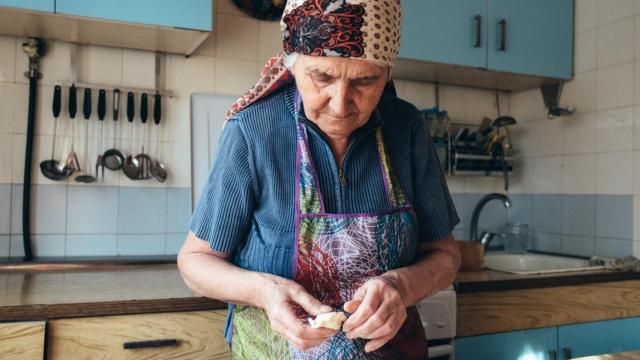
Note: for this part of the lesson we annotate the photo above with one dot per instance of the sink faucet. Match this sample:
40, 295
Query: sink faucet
506, 201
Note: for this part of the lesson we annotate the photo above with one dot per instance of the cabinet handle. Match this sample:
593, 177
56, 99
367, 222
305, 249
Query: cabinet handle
503, 35
553, 355
149, 343
567, 353
477, 20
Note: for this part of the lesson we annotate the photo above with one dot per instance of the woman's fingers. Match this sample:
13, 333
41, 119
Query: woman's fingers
369, 305
310, 304
376, 344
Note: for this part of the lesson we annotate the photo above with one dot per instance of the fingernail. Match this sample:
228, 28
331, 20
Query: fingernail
326, 309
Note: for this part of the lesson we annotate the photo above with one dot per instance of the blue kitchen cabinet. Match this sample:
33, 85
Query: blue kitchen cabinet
535, 344
537, 40
39, 5
445, 31
600, 337
538, 35
187, 14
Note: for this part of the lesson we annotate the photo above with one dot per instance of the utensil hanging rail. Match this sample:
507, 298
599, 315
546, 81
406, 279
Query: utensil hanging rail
112, 87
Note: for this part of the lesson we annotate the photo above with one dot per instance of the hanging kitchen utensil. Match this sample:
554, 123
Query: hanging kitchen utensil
52, 169
102, 108
131, 167
72, 164
144, 161
113, 158
158, 169
86, 111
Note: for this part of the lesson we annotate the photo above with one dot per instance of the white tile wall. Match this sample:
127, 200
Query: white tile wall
615, 130
586, 51
614, 173
615, 86
615, 42
608, 12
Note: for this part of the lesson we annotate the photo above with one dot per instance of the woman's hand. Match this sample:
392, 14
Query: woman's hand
280, 299
377, 311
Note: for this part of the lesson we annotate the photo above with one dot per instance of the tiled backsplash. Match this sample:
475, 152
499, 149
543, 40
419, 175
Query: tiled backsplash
583, 225
72, 221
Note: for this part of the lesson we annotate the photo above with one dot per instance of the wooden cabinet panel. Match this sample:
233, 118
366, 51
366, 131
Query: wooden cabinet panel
22, 340
199, 335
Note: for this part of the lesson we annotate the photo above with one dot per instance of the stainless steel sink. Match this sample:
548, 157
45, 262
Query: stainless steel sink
531, 263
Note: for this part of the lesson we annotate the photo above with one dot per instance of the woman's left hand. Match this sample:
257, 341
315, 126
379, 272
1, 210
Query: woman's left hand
377, 312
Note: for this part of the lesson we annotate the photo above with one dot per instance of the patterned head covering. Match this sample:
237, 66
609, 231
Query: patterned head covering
360, 29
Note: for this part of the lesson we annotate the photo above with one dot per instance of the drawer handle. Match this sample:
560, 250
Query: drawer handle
503, 35
149, 343
478, 27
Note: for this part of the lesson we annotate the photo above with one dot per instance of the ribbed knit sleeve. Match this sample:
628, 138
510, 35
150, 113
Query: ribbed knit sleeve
434, 207
224, 211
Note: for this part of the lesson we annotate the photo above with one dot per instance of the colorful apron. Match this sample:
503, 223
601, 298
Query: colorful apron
335, 255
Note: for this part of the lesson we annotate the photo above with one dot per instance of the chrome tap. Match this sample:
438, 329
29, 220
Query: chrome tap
506, 201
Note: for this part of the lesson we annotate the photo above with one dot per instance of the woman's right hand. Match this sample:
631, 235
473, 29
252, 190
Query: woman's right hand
280, 299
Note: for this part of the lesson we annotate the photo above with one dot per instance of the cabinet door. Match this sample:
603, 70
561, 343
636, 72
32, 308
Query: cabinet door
600, 337
22, 340
198, 335
528, 344
40, 5
444, 31
538, 37
188, 14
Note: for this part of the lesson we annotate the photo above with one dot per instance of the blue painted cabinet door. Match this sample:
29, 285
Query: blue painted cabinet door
188, 14
39, 5
538, 37
517, 345
600, 337
444, 31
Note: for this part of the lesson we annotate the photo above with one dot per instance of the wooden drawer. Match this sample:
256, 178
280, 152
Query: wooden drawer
22, 340
199, 335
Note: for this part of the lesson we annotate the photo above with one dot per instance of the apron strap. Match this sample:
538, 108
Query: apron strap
393, 188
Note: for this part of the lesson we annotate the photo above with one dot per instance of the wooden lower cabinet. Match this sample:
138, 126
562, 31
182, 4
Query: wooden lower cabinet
22, 340
198, 335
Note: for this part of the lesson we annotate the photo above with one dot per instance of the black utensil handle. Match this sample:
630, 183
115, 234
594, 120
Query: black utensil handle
144, 108
73, 102
149, 343
116, 104
102, 104
86, 104
157, 108
503, 35
478, 28
57, 100
131, 107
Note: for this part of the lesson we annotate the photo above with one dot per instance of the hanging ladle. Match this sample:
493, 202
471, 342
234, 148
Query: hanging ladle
86, 110
131, 167
113, 158
144, 161
52, 169
72, 164
102, 107
158, 169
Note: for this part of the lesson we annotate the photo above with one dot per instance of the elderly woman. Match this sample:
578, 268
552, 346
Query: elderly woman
325, 196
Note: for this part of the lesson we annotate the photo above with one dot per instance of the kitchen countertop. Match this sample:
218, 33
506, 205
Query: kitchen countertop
632, 355
97, 291
489, 280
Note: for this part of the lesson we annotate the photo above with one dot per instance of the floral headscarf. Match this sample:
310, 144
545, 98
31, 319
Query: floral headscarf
360, 29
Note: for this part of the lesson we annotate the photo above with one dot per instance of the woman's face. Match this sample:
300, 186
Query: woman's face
339, 94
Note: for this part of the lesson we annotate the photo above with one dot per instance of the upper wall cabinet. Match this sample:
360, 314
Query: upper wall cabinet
186, 14
155, 25
39, 5
497, 44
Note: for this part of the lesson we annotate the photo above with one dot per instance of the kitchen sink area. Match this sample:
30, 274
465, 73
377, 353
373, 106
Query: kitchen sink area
535, 263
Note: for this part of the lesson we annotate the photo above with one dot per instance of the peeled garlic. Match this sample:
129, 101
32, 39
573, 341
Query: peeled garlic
331, 320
